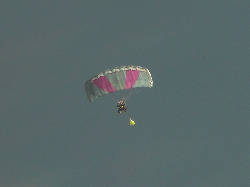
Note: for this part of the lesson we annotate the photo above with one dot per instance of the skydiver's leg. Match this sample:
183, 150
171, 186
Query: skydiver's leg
119, 111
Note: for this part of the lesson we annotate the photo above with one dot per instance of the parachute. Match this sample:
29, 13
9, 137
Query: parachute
117, 79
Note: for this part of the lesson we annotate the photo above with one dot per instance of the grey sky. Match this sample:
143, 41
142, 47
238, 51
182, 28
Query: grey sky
192, 127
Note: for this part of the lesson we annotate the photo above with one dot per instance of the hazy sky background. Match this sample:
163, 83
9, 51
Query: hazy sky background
192, 127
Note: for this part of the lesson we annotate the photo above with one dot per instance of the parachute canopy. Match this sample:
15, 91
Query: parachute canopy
122, 78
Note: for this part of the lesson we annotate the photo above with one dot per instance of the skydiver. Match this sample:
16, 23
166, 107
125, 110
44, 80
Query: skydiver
121, 106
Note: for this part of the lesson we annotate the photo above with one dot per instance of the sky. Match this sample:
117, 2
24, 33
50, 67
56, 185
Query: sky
192, 126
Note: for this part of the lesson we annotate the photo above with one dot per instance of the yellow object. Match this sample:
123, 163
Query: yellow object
131, 122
